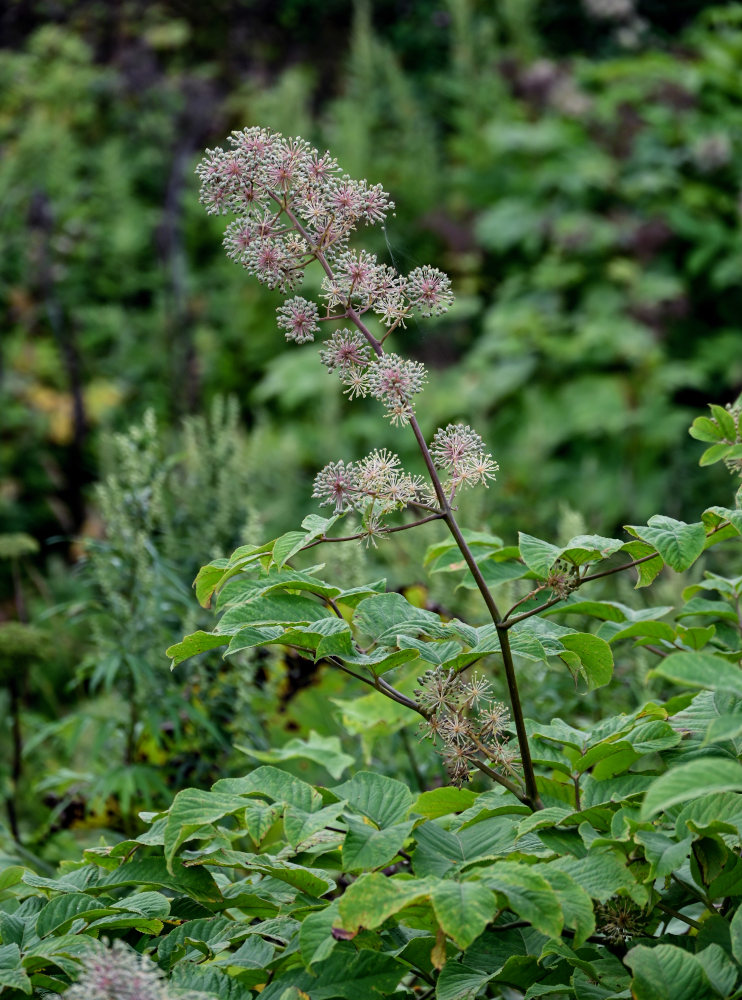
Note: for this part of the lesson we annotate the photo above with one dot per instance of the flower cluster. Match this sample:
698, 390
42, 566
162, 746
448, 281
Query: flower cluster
120, 973
294, 205
373, 487
459, 451
465, 720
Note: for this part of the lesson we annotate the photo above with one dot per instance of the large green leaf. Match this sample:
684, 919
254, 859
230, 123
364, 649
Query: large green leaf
441, 801
538, 555
601, 873
192, 645
272, 609
701, 670
528, 894
192, 809
12, 973
384, 800
736, 934
372, 899
678, 543
463, 909
195, 882
366, 848
365, 975
665, 972
272, 783
325, 751
596, 657
690, 781
458, 981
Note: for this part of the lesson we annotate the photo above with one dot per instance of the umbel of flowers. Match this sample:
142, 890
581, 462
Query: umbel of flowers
293, 205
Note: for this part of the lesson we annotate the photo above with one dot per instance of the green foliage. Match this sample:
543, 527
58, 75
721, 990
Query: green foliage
591, 852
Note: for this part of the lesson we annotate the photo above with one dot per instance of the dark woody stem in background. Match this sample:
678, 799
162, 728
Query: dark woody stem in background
531, 797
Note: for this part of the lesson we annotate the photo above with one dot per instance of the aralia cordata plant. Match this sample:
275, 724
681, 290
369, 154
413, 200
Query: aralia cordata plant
294, 206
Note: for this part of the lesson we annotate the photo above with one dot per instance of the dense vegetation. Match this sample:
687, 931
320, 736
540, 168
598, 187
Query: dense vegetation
282, 819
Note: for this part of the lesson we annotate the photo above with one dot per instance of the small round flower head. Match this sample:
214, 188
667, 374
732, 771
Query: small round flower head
237, 238
298, 317
336, 484
457, 760
494, 719
345, 349
455, 728
271, 264
119, 974
459, 450
395, 380
375, 469
429, 290
476, 690
440, 690
355, 380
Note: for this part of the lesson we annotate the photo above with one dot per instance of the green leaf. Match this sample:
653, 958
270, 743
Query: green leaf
460, 982
60, 912
690, 781
272, 609
274, 784
704, 429
192, 809
12, 973
665, 972
538, 555
463, 909
315, 937
576, 904
325, 751
367, 975
719, 968
590, 548
645, 571
736, 934
725, 420
384, 800
716, 453
300, 825
726, 727
595, 656
528, 894
372, 899
678, 543
442, 801
208, 579
10, 876
194, 882
700, 670
601, 873
384, 616
365, 847
192, 645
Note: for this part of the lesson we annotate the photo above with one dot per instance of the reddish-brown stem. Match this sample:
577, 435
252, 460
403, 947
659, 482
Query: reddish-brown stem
381, 531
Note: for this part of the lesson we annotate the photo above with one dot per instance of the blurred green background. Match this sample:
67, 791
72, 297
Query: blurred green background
575, 165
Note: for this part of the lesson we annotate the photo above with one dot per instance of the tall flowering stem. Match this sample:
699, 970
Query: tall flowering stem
294, 207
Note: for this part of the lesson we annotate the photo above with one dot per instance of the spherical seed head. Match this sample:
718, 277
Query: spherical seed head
459, 450
394, 381
345, 349
429, 290
336, 484
298, 317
